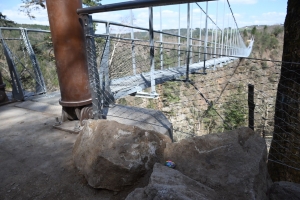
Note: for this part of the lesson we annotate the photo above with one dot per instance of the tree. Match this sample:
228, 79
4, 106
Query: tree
284, 159
235, 111
30, 5
253, 31
245, 33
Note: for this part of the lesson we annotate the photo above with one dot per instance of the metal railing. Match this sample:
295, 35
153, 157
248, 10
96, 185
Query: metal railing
127, 64
26, 72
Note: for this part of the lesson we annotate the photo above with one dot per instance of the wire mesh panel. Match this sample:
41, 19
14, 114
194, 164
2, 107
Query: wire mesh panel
43, 49
21, 59
30, 55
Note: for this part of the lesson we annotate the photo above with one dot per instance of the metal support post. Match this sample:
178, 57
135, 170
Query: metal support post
200, 36
132, 45
216, 37
188, 43
40, 86
104, 72
17, 87
96, 92
251, 106
231, 41
179, 53
191, 35
227, 39
151, 36
161, 44
205, 41
222, 42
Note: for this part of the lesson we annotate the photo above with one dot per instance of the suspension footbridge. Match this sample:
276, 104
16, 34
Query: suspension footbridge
123, 63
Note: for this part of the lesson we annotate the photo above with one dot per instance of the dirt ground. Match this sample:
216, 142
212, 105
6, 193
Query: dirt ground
36, 159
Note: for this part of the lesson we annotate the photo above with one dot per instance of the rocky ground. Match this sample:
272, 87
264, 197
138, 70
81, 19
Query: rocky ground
37, 163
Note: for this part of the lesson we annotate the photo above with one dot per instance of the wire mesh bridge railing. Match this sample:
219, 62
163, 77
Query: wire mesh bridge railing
124, 64
27, 62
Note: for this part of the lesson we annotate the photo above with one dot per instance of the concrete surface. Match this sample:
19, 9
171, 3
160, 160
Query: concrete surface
36, 159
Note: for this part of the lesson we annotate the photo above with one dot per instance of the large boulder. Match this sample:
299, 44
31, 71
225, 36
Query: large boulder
232, 163
113, 155
166, 183
285, 191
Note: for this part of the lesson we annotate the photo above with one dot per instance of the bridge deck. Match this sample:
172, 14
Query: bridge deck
128, 85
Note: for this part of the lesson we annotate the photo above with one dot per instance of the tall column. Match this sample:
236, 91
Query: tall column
70, 53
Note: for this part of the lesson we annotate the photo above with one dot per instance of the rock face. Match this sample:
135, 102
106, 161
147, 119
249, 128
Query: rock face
232, 163
284, 191
166, 183
113, 155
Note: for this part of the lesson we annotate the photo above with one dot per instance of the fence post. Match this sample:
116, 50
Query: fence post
96, 92
179, 37
17, 87
205, 41
132, 44
251, 106
188, 43
151, 35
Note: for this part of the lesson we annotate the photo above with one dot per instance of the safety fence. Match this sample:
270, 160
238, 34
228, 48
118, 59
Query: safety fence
27, 62
124, 64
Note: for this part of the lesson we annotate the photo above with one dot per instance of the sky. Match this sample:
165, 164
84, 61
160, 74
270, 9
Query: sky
246, 12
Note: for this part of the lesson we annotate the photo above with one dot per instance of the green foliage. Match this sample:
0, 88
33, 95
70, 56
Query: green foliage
245, 33
151, 104
253, 31
264, 65
122, 101
210, 119
91, 2
235, 111
277, 30
31, 5
171, 91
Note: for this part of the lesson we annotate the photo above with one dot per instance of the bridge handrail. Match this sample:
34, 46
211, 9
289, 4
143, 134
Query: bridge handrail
132, 5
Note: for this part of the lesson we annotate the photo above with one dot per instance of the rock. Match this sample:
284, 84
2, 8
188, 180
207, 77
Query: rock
113, 155
144, 118
166, 183
232, 163
284, 191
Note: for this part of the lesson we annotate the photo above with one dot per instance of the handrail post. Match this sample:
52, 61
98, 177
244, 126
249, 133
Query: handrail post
151, 37
179, 39
132, 45
188, 43
161, 44
96, 92
205, 41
